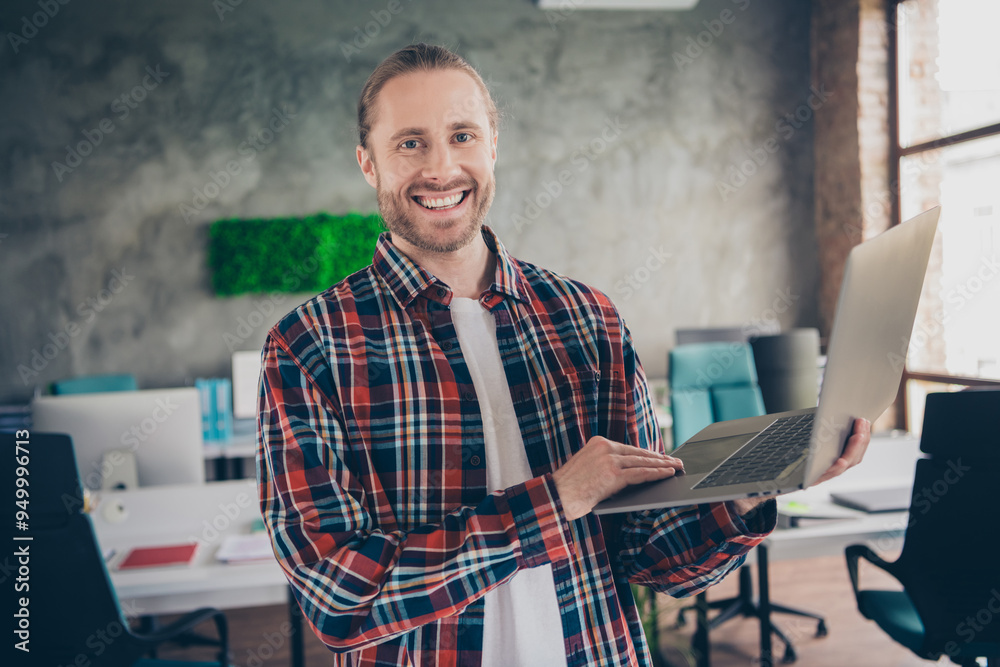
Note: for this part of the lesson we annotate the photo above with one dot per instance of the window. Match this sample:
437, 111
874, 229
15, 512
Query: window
945, 114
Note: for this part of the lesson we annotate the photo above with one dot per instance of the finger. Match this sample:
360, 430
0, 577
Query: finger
853, 453
646, 462
641, 475
646, 454
857, 445
618, 448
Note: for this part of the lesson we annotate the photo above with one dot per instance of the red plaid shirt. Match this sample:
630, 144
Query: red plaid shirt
372, 469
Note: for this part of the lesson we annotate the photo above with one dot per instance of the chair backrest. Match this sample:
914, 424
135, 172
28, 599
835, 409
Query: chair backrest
93, 384
949, 561
711, 382
788, 369
73, 613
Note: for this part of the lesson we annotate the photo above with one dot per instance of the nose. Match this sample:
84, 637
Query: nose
440, 165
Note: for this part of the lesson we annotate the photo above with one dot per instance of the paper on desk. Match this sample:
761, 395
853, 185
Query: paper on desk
793, 505
245, 548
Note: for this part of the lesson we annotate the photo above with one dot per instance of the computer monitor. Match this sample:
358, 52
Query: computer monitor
161, 428
246, 377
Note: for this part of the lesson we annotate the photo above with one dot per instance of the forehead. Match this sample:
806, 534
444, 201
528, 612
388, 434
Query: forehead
429, 100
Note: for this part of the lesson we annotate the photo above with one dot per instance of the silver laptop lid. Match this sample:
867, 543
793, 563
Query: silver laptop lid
871, 332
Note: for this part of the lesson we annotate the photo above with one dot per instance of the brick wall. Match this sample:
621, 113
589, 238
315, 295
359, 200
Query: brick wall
835, 55
852, 189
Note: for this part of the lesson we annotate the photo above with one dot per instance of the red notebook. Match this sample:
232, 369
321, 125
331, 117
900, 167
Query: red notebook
172, 554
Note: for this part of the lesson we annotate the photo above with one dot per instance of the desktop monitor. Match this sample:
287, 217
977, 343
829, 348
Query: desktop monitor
160, 428
246, 376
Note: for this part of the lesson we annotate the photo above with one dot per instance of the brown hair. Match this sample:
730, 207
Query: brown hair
415, 58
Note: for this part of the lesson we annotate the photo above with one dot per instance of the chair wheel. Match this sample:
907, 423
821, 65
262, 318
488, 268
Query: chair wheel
789, 656
821, 630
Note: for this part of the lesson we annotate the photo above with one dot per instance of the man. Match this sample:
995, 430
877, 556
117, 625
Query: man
435, 429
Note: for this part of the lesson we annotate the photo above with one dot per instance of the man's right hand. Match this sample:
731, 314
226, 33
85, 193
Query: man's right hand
603, 468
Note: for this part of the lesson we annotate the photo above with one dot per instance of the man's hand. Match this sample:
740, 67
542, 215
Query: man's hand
855, 450
603, 468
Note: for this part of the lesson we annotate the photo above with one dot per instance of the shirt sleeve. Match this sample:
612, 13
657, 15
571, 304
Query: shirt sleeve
679, 551
357, 584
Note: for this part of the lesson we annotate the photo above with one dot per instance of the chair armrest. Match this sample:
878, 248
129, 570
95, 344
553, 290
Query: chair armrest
188, 622
857, 551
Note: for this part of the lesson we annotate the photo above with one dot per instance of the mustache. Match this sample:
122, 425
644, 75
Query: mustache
457, 184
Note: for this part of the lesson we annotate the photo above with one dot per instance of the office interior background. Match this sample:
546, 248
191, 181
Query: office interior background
705, 167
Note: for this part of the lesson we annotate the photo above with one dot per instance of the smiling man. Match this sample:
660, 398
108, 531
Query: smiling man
435, 430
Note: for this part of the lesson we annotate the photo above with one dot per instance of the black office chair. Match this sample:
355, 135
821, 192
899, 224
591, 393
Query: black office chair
70, 612
949, 568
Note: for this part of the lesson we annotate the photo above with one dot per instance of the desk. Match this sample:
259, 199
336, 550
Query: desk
889, 461
205, 513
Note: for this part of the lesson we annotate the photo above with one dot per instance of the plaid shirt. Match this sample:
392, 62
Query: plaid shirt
372, 470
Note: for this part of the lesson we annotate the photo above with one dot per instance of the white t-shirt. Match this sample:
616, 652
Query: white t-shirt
522, 626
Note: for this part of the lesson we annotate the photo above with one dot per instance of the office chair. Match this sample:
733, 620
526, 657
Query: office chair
93, 384
950, 602
787, 366
70, 610
711, 382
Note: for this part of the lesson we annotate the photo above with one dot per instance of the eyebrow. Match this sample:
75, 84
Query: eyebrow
419, 132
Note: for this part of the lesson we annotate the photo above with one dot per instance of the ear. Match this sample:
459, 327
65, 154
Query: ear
367, 165
493, 149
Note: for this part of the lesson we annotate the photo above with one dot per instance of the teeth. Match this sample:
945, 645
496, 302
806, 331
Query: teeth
440, 202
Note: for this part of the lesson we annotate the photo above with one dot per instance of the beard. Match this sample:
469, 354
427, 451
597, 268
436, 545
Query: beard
429, 237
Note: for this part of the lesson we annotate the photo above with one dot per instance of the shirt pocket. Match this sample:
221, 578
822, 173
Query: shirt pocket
573, 414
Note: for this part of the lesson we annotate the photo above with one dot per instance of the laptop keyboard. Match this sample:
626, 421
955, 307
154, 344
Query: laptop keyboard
775, 448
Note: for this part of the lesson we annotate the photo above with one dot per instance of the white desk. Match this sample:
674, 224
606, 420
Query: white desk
205, 513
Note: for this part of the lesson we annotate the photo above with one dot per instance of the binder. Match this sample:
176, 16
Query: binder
206, 394
159, 556
223, 409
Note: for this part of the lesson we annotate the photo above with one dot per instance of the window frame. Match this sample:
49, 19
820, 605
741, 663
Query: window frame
896, 154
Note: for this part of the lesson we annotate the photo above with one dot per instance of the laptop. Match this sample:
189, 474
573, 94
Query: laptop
879, 499
788, 451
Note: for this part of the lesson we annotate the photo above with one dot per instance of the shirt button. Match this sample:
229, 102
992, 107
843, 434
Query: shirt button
475, 460
441, 292
446, 345
470, 396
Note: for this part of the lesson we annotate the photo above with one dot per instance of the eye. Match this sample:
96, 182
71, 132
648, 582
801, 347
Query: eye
463, 137
410, 143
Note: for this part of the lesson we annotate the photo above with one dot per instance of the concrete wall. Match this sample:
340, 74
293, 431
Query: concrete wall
653, 120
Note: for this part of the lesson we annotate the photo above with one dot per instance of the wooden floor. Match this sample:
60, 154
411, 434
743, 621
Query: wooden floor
259, 637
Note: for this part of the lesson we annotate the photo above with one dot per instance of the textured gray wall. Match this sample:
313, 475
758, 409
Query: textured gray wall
642, 114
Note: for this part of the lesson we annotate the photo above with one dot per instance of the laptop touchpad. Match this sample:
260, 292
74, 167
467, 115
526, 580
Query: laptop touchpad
702, 457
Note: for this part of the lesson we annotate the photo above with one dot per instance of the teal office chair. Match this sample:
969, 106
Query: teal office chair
93, 384
950, 602
712, 382
73, 615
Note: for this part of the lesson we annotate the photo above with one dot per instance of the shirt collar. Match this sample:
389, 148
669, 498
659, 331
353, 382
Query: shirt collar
406, 279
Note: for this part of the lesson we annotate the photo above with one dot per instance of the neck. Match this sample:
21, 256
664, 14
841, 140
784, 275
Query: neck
468, 271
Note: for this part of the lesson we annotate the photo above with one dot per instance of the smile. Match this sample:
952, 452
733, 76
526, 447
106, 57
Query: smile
441, 203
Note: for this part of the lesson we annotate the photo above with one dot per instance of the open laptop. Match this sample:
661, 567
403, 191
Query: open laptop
787, 451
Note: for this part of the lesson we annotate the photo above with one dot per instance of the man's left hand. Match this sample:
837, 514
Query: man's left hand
855, 450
